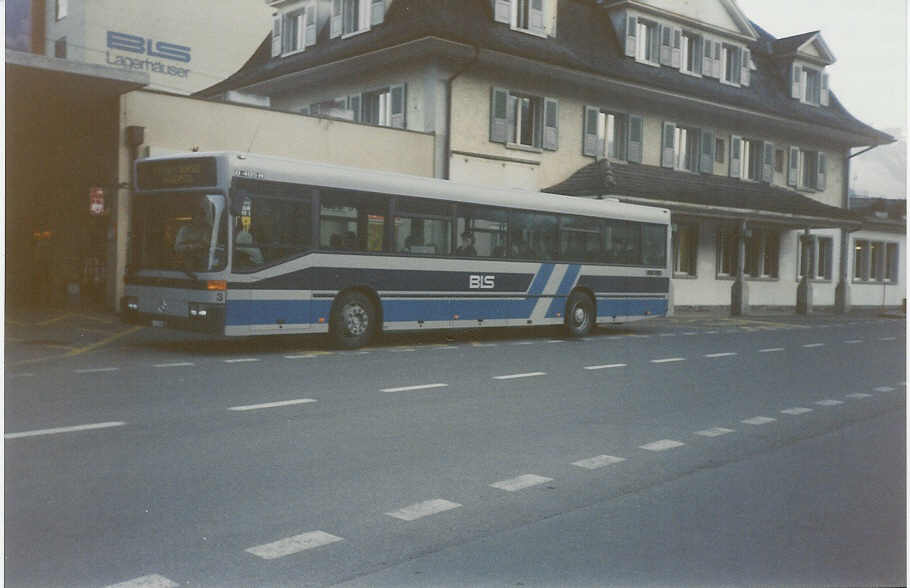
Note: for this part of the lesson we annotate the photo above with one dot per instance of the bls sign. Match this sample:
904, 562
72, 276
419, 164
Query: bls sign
478, 282
137, 44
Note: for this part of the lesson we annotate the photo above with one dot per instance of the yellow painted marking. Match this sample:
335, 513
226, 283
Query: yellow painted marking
96, 318
16, 323
54, 320
81, 350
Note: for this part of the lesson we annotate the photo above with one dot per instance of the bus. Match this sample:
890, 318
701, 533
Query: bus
241, 244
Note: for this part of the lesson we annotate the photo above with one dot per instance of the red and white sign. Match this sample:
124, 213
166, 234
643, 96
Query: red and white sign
96, 201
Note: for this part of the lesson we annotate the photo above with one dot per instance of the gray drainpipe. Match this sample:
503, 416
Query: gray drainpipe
448, 151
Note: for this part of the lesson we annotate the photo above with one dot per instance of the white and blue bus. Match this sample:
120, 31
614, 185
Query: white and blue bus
242, 244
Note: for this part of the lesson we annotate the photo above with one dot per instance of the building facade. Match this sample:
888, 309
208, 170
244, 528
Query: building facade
690, 106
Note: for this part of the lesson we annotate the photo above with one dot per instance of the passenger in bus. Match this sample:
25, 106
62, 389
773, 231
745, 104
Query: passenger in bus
247, 254
467, 245
194, 237
409, 242
521, 249
349, 241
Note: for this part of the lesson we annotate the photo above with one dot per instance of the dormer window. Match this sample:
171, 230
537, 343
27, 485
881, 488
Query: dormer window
643, 40
690, 53
351, 17
809, 85
294, 30
526, 16
732, 69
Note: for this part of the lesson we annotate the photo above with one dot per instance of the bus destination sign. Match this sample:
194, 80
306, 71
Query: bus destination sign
176, 173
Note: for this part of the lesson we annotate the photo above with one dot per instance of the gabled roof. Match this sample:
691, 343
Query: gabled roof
790, 46
586, 42
668, 187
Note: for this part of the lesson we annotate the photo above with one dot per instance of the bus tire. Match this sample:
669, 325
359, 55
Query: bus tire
580, 314
353, 320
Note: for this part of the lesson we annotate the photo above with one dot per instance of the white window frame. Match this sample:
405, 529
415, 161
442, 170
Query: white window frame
517, 7
298, 14
726, 50
814, 100
618, 127
691, 44
762, 235
684, 137
868, 272
647, 38
812, 156
689, 254
535, 119
363, 17
384, 106
746, 154
819, 273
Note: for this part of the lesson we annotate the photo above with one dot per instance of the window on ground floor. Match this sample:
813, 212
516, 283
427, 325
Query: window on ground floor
823, 251
875, 261
685, 249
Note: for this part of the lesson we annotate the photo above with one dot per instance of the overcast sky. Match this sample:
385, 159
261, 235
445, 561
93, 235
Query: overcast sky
869, 40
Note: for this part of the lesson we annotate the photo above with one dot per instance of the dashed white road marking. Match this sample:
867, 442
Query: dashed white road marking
556, 341
668, 360
640, 336
151, 581
22, 375
273, 404
175, 364
662, 445
483, 344
668, 334
294, 544
759, 421
858, 395
592, 463
406, 350
96, 370
605, 366
423, 509
73, 429
796, 410
770, 349
417, 387
884, 389
242, 360
711, 332
524, 343
515, 376
853, 341
887, 338
722, 354
810, 345
829, 402
521, 482
714, 432
690, 333
311, 355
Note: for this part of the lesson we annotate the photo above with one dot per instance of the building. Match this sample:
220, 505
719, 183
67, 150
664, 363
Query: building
690, 106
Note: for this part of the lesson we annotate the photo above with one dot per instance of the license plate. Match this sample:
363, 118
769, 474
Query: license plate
158, 324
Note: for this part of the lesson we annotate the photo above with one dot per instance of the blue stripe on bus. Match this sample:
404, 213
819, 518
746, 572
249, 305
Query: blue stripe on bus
266, 312
565, 286
631, 307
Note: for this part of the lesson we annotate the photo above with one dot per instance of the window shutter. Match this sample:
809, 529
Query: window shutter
677, 42
310, 32
820, 183
502, 11
335, 29
398, 110
667, 150
276, 35
796, 79
631, 26
736, 164
706, 164
377, 12
666, 45
535, 17
718, 61
499, 120
745, 74
824, 92
591, 145
636, 138
793, 170
354, 106
767, 169
550, 124
707, 65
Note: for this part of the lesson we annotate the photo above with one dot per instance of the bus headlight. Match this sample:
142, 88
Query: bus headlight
131, 303
198, 311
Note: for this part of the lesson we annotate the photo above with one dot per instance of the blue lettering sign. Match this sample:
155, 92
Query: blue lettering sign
142, 45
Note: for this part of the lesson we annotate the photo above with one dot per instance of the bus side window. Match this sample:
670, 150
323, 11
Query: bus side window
422, 227
487, 226
352, 221
623, 243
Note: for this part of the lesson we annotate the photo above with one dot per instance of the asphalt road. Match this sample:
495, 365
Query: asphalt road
708, 452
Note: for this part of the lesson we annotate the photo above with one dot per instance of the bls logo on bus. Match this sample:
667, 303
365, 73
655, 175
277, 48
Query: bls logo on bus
478, 282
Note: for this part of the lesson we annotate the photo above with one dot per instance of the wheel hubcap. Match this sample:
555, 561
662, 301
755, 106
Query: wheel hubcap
356, 319
580, 316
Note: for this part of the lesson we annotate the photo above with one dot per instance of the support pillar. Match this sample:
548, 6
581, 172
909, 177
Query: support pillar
804, 290
842, 291
739, 292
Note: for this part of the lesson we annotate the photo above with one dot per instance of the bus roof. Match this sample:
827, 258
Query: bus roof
272, 168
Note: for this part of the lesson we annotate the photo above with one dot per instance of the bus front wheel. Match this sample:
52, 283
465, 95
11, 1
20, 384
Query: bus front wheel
353, 320
579, 314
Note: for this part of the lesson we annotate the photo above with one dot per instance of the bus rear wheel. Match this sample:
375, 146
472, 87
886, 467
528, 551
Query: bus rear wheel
579, 314
353, 320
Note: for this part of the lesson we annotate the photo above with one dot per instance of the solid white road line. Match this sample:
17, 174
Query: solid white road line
796, 410
770, 349
605, 366
829, 402
668, 360
556, 341
241, 360
96, 370
858, 395
852, 341
810, 345
662, 445
592, 463
423, 509
884, 389
294, 544
272, 404
724, 354
521, 482
58, 430
758, 421
175, 364
151, 581
419, 387
309, 355
514, 376
714, 432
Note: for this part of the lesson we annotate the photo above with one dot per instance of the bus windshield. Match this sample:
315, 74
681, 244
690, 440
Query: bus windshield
180, 231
